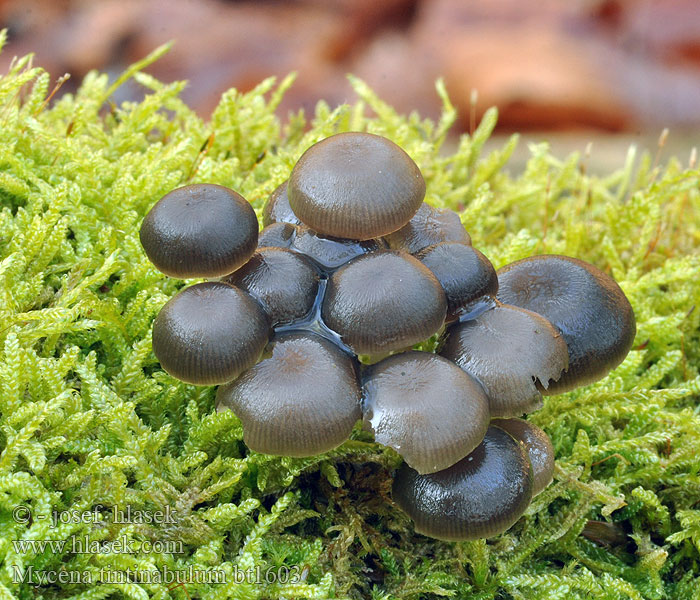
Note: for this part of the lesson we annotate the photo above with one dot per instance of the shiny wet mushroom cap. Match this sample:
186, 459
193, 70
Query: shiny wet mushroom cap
507, 349
463, 272
277, 209
277, 235
383, 301
209, 333
426, 408
302, 400
200, 230
329, 253
427, 227
482, 495
355, 185
585, 304
538, 447
284, 283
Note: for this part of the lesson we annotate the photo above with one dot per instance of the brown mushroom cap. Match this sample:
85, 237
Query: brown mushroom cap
383, 301
330, 253
300, 401
585, 304
277, 235
285, 283
200, 230
426, 408
355, 185
507, 349
463, 272
538, 447
481, 496
427, 227
277, 209
209, 333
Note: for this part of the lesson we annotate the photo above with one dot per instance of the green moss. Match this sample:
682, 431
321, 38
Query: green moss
87, 417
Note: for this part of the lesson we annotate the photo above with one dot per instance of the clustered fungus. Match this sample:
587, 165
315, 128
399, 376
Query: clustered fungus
351, 261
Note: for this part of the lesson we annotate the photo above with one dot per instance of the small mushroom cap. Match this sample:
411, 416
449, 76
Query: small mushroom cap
200, 230
427, 227
426, 408
463, 272
383, 301
585, 304
331, 253
302, 400
355, 185
538, 447
277, 209
507, 349
481, 496
285, 283
277, 235
209, 333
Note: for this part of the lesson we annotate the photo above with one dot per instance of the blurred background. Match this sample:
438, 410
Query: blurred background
570, 71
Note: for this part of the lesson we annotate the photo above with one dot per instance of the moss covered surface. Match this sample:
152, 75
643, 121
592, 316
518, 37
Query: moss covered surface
88, 419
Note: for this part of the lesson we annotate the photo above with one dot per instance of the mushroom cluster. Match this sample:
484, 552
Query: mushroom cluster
351, 261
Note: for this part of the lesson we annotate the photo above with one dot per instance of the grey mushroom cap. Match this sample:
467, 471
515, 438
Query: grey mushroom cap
585, 304
463, 272
330, 253
426, 408
200, 230
302, 400
508, 350
427, 227
209, 333
355, 185
277, 209
538, 447
482, 495
383, 301
277, 235
285, 283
